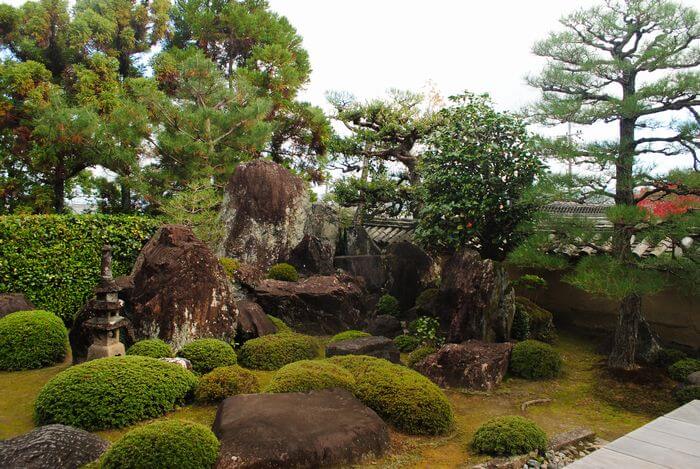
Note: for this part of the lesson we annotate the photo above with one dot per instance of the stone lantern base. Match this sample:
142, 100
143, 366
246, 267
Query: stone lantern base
114, 349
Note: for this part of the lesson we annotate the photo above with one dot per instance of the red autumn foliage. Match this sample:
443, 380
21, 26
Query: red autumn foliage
663, 205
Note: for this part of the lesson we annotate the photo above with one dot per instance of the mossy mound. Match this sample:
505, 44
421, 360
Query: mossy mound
531, 359
113, 392
406, 343
404, 398
224, 382
207, 354
166, 444
32, 339
272, 352
154, 348
283, 271
347, 335
279, 324
419, 354
508, 436
310, 375
682, 368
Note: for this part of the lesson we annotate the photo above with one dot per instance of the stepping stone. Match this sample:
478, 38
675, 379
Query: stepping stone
380, 347
316, 429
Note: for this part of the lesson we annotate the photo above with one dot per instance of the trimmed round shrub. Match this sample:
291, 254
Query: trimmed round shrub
154, 348
668, 356
388, 304
224, 382
230, 265
207, 354
406, 343
531, 359
682, 368
310, 375
32, 339
283, 271
521, 325
279, 324
508, 436
113, 392
271, 352
404, 398
166, 444
685, 394
419, 354
347, 335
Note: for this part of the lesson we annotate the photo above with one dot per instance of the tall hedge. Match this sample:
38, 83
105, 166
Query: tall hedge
55, 259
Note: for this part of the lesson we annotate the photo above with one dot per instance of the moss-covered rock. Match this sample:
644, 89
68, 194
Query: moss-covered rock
532, 359
230, 266
402, 397
113, 392
419, 354
32, 339
388, 304
272, 352
224, 382
508, 436
207, 354
310, 375
279, 324
283, 271
166, 444
406, 343
682, 368
540, 321
154, 348
347, 335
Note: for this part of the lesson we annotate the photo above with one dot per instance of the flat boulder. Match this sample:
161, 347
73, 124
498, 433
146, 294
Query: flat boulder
472, 365
52, 446
13, 302
315, 429
385, 325
379, 347
180, 290
252, 321
324, 304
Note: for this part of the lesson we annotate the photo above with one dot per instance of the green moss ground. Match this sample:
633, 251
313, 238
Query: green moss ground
585, 395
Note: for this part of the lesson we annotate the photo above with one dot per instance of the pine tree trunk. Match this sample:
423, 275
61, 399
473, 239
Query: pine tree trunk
125, 197
625, 346
59, 194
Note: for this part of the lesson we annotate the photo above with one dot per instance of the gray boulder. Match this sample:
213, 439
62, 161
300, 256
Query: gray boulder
385, 325
13, 302
379, 347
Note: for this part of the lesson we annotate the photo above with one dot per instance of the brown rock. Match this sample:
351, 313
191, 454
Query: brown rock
317, 305
304, 430
370, 268
13, 302
373, 346
385, 325
476, 300
265, 211
252, 321
471, 365
312, 256
180, 292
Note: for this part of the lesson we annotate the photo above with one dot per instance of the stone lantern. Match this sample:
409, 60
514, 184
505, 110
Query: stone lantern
106, 322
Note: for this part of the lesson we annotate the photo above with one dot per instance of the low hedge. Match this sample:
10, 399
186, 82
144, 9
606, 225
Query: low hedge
32, 339
685, 394
404, 398
166, 444
154, 348
682, 368
207, 354
271, 352
668, 356
226, 381
388, 304
283, 271
113, 392
531, 359
419, 354
508, 436
406, 343
347, 335
310, 375
55, 259
279, 324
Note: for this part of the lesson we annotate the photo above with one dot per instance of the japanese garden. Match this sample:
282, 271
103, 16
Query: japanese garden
200, 268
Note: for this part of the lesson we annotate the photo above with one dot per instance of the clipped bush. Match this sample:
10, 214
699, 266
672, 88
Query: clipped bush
279, 324
682, 368
225, 381
113, 392
283, 271
404, 398
668, 356
31, 339
406, 343
531, 359
388, 304
230, 265
271, 352
310, 375
166, 444
154, 348
55, 259
207, 354
508, 436
685, 394
347, 335
520, 330
419, 354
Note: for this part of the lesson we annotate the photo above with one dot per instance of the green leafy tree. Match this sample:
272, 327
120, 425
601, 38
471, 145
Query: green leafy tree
633, 63
477, 175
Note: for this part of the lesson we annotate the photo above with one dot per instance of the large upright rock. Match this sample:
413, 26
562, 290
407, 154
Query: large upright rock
317, 305
409, 269
476, 301
252, 321
265, 211
180, 290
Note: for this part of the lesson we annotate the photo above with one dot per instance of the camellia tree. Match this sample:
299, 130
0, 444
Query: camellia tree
633, 63
477, 174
